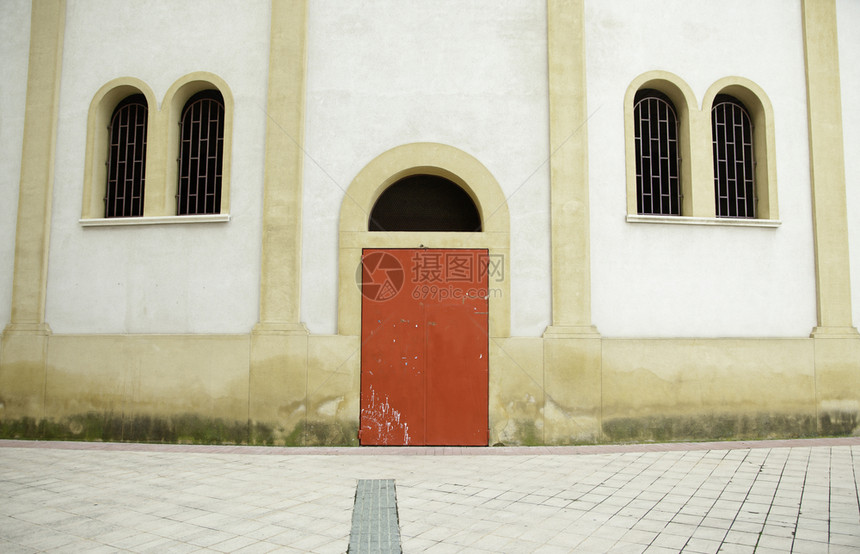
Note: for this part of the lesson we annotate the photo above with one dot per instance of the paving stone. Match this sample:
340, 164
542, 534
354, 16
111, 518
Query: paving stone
627, 499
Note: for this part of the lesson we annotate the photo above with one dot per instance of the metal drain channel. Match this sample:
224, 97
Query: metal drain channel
375, 525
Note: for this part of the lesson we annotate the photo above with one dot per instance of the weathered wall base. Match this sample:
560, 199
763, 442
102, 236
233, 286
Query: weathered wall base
655, 390
23, 356
837, 382
299, 389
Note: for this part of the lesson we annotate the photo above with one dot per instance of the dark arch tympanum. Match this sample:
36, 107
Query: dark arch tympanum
425, 203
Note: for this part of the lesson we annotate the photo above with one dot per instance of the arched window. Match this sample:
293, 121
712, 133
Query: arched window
126, 160
658, 187
201, 151
425, 203
734, 166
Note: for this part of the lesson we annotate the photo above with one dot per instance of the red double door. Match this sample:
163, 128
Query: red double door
424, 341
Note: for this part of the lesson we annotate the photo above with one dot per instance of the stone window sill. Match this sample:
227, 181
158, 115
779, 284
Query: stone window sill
157, 220
684, 220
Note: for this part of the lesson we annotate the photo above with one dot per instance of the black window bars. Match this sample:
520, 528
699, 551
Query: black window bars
126, 161
734, 165
201, 151
658, 187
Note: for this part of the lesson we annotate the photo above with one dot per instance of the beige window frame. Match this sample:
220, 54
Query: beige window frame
696, 151
761, 112
162, 150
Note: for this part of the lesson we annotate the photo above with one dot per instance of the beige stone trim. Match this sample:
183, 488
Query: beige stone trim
437, 240
827, 169
687, 112
24, 342
280, 281
33, 229
155, 220
28, 329
388, 168
98, 119
696, 150
764, 141
162, 201
723, 221
162, 146
571, 258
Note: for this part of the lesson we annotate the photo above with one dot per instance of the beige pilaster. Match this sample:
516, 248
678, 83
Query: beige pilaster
279, 342
571, 367
571, 266
23, 350
280, 283
573, 390
37, 166
827, 169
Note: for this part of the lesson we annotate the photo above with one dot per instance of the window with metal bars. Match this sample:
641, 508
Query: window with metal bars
658, 186
201, 150
126, 159
734, 165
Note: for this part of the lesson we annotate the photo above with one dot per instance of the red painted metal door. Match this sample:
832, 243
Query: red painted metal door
424, 341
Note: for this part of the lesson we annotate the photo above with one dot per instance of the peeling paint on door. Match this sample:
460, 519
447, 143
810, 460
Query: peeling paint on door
384, 422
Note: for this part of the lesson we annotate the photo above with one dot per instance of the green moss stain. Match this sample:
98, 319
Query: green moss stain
708, 427
525, 433
529, 434
323, 433
24, 428
838, 423
261, 434
184, 428
191, 428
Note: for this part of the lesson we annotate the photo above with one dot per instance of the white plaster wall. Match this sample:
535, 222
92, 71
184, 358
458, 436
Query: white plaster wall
14, 59
688, 281
199, 278
468, 74
848, 21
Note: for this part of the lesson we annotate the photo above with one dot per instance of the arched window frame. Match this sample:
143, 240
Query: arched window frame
162, 150
126, 158
173, 106
696, 150
734, 158
201, 154
758, 106
101, 111
658, 180
679, 94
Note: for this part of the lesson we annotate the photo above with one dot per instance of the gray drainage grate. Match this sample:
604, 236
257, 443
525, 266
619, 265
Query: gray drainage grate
375, 527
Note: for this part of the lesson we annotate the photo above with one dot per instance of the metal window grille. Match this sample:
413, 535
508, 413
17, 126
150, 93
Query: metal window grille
734, 165
658, 187
126, 160
200, 155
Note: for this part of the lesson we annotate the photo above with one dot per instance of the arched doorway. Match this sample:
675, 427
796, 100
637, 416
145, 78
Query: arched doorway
427, 226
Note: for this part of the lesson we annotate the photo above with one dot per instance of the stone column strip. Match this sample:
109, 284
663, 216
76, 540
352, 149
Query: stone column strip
827, 170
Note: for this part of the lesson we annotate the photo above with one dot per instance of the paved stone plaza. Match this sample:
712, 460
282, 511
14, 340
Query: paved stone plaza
766, 497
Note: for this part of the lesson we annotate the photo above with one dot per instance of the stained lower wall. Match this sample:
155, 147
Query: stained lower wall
718, 389
304, 390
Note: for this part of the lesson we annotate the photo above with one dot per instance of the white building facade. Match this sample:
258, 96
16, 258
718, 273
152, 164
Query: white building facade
605, 322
